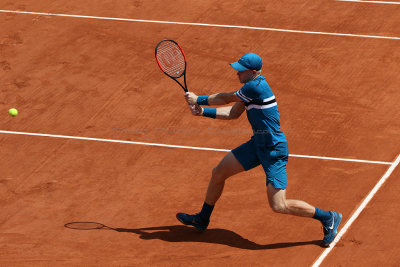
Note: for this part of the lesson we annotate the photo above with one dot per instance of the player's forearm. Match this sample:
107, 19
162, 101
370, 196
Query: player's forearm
218, 99
213, 100
223, 113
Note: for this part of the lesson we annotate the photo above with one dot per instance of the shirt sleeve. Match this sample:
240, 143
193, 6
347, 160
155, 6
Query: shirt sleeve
247, 93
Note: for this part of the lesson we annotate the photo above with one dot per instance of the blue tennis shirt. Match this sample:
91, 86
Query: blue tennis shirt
262, 112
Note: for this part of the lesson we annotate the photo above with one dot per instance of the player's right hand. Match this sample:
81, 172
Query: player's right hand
191, 98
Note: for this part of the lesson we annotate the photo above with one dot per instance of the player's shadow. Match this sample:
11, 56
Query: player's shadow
181, 233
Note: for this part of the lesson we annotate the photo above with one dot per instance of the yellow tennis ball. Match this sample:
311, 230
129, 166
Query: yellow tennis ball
13, 112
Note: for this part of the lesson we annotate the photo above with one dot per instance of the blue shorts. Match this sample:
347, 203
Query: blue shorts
272, 159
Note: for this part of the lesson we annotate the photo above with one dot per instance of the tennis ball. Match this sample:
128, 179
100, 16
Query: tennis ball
13, 112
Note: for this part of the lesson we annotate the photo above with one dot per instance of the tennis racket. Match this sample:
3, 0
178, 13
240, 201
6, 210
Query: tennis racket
171, 60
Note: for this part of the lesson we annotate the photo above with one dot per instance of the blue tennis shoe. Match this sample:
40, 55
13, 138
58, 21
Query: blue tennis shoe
193, 220
330, 228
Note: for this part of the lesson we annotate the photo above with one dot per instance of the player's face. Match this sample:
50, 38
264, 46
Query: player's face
245, 76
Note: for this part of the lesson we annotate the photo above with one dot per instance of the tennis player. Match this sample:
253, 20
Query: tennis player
267, 147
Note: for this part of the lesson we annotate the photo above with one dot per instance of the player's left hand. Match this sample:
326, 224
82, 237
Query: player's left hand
191, 98
196, 110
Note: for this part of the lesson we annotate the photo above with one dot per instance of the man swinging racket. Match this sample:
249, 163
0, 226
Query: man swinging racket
267, 147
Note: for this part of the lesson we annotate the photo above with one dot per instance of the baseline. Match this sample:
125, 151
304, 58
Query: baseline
203, 24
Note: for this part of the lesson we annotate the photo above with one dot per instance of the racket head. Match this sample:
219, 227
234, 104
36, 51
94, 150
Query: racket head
86, 226
170, 58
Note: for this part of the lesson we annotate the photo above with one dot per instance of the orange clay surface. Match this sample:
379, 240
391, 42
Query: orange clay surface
338, 97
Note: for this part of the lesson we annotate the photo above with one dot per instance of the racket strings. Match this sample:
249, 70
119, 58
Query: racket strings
171, 58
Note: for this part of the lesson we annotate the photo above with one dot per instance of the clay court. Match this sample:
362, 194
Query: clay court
104, 136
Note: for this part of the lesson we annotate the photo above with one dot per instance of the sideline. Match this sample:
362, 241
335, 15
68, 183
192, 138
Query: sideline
358, 211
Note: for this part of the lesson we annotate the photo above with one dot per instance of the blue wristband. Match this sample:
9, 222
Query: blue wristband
202, 100
210, 112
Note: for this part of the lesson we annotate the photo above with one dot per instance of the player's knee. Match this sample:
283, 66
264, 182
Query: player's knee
278, 207
218, 175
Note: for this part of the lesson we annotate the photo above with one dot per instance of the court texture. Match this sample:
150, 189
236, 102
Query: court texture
104, 136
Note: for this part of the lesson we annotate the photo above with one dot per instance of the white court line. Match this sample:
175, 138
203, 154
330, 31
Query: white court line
185, 147
374, 2
341, 159
204, 24
358, 211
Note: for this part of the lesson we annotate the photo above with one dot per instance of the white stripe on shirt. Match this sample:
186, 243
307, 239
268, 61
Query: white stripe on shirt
269, 99
242, 96
260, 106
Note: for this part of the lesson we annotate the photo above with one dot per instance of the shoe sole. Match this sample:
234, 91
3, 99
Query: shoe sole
194, 225
335, 230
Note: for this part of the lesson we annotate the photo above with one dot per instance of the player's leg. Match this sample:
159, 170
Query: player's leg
240, 159
278, 203
330, 219
228, 167
274, 164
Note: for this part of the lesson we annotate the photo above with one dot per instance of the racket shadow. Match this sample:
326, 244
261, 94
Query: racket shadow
181, 233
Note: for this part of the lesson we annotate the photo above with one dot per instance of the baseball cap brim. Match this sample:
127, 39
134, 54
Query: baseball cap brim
237, 66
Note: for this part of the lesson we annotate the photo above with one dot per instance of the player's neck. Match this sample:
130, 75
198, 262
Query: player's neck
255, 76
